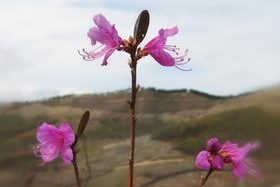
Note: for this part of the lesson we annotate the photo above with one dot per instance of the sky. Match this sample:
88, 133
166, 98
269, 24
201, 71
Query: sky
233, 46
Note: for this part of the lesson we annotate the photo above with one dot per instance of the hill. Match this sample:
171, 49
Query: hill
172, 126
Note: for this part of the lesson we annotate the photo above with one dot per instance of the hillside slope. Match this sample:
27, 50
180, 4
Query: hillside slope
172, 127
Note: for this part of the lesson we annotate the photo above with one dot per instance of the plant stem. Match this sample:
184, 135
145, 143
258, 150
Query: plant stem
204, 179
132, 102
76, 172
74, 162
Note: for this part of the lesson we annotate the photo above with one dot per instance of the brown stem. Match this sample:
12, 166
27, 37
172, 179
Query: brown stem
74, 162
204, 179
132, 132
76, 172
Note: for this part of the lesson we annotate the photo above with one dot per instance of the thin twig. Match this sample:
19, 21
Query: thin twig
74, 162
29, 180
76, 172
132, 102
204, 179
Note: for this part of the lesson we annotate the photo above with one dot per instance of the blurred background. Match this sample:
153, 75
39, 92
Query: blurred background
232, 92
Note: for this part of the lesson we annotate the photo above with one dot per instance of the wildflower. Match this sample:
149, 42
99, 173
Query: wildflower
55, 142
231, 153
216, 155
159, 50
209, 159
107, 35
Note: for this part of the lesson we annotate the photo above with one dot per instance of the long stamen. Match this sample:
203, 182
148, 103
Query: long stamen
92, 55
170, 45
180, 60
172, 48
183, 63
182, 68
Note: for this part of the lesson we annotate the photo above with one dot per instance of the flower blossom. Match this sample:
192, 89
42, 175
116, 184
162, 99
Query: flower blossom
107, 35
158, 49
55, 142
216, 155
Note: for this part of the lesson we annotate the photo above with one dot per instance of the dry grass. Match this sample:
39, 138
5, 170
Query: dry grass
158, 163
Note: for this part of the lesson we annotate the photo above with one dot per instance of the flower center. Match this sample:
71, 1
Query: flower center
225, 156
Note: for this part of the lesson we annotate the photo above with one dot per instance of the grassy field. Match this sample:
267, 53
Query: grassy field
173, 126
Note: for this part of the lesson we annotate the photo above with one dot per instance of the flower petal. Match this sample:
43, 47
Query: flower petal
241, 165
49, 151
67, 155
162, 57
202, 160
217, 163
102, 23
107, 55
96, 35
235, 153
168, 32
231, 152
213, 145
46, 132
244, 167
115, 41
239, 169
248, 147
68, 133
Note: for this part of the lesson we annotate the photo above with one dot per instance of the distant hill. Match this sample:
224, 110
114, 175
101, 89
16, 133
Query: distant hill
181, 120
155, 108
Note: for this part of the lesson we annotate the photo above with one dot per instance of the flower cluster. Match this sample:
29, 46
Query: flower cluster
107, 35
55, 142
216, 155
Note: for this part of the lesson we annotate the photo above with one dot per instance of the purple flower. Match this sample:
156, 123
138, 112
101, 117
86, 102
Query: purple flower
209, 159
55, 142
216, 155
232, 153
107, 35
160, 51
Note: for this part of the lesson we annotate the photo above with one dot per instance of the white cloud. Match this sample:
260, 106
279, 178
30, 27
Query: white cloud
233, 47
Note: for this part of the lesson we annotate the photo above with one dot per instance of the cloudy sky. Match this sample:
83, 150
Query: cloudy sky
233, 45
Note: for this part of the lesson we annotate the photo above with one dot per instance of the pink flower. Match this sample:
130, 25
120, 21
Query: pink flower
159, 50
216, 155
232, 153
55, 142
107, 35
209, 159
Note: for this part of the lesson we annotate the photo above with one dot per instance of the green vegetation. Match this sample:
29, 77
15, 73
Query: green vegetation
172, 126
193, 91
251, 123
209, 96
13, 124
